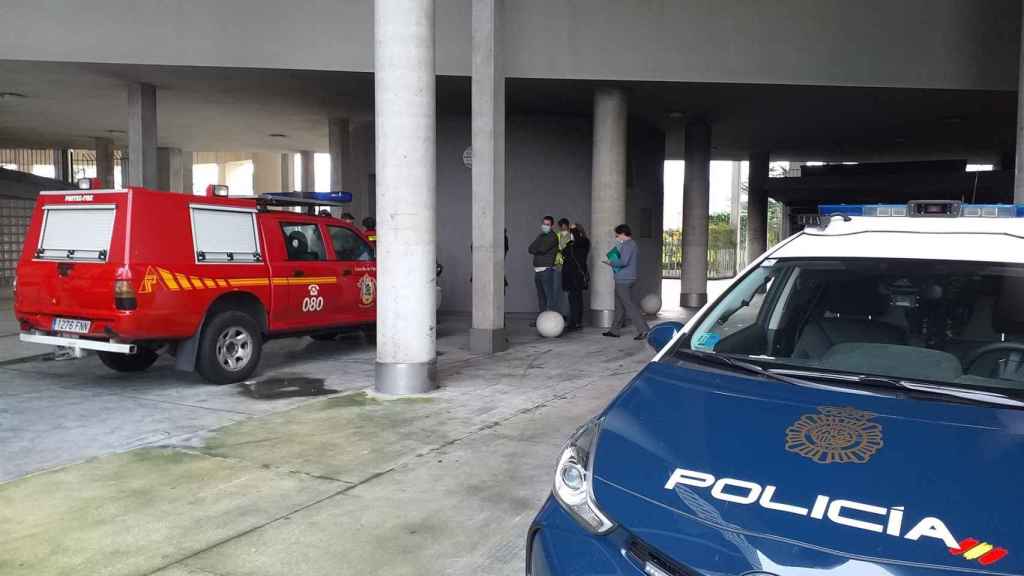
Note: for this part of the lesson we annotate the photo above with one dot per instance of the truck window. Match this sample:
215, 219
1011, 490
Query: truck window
348, 246
80, 233
224, 234
303, 242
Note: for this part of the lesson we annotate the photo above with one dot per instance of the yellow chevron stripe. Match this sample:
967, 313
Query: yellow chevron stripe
248, 281
209, 283
978, 551
196, 283
222, 283
183, 281
168, 279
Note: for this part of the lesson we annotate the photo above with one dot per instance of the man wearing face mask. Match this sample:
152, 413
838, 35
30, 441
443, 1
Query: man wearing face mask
625, 271
544, 249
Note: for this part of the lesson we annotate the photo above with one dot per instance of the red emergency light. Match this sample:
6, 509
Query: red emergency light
89, 183
216, 190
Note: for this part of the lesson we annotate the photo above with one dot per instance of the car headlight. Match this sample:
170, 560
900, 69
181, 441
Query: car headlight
574, 488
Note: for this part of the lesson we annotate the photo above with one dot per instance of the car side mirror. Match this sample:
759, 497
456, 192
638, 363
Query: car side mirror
662, 334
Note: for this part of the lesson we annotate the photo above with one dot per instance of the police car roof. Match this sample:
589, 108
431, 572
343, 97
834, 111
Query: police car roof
976, 239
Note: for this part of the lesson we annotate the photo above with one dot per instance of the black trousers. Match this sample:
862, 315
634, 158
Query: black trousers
575, 307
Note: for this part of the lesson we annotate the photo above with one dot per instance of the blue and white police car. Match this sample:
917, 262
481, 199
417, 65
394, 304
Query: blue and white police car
852, 405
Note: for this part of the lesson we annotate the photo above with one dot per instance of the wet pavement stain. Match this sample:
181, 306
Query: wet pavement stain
286, 387
360, 399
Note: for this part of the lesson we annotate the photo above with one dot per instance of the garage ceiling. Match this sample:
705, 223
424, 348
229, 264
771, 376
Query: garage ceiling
217, 109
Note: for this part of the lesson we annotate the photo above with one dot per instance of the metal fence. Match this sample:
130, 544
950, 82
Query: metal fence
721, 262
15, 214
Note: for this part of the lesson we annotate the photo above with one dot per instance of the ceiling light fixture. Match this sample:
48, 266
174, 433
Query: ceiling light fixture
277, 135
116, 132
12, 96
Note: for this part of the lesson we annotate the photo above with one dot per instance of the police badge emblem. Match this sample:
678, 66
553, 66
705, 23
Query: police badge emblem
835, 435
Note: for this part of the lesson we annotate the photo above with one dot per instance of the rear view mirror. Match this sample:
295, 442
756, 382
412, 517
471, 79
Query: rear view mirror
662, 334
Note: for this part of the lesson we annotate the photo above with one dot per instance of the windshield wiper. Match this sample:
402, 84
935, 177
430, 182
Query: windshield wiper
973, 396
737, 365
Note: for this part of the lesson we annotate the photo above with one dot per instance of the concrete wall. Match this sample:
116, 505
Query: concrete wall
955, 44
548, 174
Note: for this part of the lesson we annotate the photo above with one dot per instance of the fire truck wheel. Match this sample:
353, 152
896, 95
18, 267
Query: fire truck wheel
142, 359
324, 336
230, 347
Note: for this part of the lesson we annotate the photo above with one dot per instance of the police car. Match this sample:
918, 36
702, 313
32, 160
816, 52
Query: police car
851, 405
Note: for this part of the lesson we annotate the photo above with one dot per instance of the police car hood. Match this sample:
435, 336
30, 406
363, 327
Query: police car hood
725, 473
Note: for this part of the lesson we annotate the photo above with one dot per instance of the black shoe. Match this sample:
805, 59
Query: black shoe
610, 334
641, 336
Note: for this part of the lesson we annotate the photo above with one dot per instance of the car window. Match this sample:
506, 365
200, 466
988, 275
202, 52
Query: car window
348, 246
949, 322
303, 242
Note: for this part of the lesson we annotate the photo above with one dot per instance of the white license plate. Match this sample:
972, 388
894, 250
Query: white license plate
70, 325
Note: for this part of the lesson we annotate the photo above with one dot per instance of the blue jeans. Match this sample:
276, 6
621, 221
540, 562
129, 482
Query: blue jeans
547, 297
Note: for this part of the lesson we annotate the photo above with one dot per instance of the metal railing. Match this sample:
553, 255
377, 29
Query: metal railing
721, 262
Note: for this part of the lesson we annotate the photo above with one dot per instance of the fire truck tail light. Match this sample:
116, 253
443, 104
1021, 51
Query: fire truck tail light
124, 295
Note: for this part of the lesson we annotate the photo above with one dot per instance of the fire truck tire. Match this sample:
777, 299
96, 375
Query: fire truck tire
324, 336
142, 359
230, 347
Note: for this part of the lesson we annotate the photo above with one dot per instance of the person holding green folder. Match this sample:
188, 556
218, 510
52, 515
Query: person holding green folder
623, 259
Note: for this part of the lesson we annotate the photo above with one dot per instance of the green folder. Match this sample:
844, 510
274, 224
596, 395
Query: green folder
614, 255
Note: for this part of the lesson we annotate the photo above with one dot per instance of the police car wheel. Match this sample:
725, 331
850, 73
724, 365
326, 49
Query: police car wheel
230, 347
142, 359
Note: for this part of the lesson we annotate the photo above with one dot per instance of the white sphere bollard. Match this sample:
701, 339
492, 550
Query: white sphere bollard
651, 304
550, 324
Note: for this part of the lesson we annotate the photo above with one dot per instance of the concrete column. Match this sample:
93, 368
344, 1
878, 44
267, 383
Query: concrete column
1018, 176
62, 164
169, 170
406, 123
340, 149
187, 160
607, 196
308, 171
488, 109
696, 198
757, 205
287, 172
105, 161
356, 174
266, 173
142, 135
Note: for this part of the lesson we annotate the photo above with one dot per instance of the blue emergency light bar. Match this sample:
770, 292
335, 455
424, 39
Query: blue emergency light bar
924, 208
325, 197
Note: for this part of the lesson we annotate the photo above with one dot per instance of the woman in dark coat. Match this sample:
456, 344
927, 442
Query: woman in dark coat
575, 274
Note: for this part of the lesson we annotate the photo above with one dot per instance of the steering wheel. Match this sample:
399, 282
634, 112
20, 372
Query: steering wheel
993, 347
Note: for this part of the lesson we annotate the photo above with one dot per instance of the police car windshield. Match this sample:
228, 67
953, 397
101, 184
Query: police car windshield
945, 322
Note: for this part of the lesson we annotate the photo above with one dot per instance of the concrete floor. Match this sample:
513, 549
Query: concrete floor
161, 473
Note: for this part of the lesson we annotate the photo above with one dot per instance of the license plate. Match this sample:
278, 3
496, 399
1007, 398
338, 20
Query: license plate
71, 325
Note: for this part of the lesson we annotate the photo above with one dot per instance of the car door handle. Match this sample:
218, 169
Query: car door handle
298, 273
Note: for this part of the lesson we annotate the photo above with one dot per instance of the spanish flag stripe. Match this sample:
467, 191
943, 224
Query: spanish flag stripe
978, 551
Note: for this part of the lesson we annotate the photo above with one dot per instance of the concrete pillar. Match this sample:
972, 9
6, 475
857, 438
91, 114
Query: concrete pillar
607, 196
1018, 177
696, 198
187, 160
266, 173
169, 170
406, 122
308, 171
356, 174
287, 172
736, 210
142, 135
62, 164
757, 205
488, 125
340, 149
105, 161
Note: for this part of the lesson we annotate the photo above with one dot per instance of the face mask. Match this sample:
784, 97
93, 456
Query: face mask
545, 228
619, 241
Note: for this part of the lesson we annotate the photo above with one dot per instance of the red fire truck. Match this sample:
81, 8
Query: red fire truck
134, 273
